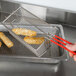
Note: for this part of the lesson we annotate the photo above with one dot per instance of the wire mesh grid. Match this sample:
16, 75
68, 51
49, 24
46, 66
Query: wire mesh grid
27, 20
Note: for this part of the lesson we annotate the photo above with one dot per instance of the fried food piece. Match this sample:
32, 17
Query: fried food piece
34, 40
6, 40
24, 31
0, 44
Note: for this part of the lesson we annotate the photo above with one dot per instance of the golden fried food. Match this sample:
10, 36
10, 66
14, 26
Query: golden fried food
24, 31
6, 40
0, 44
34, 40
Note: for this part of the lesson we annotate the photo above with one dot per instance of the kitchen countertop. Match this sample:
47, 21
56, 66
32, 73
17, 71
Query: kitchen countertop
66, 5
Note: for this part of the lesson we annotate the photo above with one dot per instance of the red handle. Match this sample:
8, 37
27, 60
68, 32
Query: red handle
73, 52
63, 47
63, 39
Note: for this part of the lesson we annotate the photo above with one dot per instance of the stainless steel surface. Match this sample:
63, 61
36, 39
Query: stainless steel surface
35, 69
58, 16
27, 69
69, 67
53, 15
6, 8
23, 69
10, 68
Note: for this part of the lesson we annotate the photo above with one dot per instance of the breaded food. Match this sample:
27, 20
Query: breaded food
0, 44
6, 40
24, 31
34, 40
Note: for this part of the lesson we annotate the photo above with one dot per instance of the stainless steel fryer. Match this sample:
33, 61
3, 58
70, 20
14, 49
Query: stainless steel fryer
47, 52
54, 53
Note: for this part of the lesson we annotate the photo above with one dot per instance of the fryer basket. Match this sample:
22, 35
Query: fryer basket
29, 21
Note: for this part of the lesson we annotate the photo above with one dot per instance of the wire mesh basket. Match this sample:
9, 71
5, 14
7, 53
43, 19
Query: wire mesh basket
27, 20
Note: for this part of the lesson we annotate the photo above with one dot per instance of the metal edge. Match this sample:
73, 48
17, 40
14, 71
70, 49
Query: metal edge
65, 56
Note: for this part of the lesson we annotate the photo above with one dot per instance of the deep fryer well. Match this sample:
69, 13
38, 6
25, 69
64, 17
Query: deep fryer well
20, 51
27, 20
